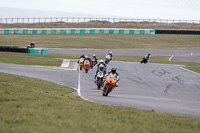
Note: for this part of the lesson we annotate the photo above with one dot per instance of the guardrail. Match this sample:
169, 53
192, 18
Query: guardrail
77, 31
84, 20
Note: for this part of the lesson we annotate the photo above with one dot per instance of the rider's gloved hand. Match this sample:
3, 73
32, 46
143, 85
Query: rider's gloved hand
116, 85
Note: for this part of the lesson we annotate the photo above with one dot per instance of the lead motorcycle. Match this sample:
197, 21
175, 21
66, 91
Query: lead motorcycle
109, 85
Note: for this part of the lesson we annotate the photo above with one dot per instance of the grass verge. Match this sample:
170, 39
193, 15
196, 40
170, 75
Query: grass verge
33, 105
114, 41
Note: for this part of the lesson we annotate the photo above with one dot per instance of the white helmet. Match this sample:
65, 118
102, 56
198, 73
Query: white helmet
101, 67
101, 61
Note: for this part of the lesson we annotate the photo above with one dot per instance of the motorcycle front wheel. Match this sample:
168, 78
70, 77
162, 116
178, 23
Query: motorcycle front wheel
99, 84
86, 70
107, 90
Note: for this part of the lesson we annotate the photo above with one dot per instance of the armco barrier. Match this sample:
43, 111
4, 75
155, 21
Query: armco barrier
77, 31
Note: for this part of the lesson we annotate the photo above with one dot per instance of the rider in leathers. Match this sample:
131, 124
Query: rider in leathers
114, 75
110, 53
82, 56
101, 62
96, 60
87, 58
147, 57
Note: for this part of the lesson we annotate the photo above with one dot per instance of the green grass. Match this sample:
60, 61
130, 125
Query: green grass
33, 105
29, 59
107, 41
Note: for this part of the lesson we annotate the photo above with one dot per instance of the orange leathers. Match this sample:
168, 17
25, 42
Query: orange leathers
109, 81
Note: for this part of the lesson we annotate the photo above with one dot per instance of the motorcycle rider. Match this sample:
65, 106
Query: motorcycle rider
146, 58
82, 56
87, 58
110, 53
96, 60
101, 62
101, 68
31, 45
114, 75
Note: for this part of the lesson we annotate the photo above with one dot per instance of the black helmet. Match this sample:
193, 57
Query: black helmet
113, 70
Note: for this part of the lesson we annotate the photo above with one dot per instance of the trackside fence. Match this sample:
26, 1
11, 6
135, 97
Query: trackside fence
86, 19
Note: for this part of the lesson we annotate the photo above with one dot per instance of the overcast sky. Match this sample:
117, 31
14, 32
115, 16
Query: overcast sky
155, 9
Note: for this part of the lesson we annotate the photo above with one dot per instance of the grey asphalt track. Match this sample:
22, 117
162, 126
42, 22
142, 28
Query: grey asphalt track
159, 87
182, 55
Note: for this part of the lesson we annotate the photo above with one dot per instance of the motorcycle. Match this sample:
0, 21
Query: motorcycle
144, 61
107, 60
108, 85
80, 64
86, 66
93, 62
99, 79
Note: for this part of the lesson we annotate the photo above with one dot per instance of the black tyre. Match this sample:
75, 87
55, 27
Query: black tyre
99, 83
81, 67
108, 90
86, 70
106, 61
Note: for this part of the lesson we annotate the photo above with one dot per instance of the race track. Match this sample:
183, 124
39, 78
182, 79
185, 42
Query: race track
159, 87
181, 55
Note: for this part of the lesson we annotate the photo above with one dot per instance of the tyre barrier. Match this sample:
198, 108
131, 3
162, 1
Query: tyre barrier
13, 49
192, 32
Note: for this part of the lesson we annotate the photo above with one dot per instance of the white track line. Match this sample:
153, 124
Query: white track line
79, 87
190, 71
171, 57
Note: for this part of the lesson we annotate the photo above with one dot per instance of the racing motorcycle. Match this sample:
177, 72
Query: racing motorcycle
146, 59
80, 63
86, 66
93, 62
108, 85
107, 60
99, 79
